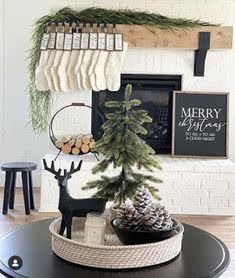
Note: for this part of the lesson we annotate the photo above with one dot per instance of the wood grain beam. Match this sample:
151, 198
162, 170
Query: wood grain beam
142, 36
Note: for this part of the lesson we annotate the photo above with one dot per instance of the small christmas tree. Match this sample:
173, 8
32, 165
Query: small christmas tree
121, 146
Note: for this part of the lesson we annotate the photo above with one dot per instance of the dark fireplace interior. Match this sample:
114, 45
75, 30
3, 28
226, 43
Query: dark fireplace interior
155, 92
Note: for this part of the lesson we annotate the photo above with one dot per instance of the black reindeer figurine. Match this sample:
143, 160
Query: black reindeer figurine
68, 206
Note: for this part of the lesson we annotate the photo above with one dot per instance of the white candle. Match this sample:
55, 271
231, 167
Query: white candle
94, 229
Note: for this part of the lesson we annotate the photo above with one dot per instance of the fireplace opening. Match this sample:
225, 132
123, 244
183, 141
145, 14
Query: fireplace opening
156, 95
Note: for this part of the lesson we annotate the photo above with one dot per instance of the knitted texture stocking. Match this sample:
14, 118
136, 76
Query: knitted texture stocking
40, 78
85, 65
62, 71
54, 70
77, 70
47, 70
91, 72
73, 84
99, 70
113, 68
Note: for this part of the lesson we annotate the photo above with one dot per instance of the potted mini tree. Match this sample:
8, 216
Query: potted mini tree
122, 147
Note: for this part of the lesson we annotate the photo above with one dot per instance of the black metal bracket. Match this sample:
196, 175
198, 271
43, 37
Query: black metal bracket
200, 53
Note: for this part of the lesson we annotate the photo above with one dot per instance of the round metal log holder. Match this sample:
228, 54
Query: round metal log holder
51, 130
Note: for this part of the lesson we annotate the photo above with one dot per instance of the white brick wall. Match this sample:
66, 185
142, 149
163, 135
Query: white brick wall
190, 186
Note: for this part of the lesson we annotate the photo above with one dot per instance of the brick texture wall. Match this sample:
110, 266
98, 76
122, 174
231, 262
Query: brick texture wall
189, 186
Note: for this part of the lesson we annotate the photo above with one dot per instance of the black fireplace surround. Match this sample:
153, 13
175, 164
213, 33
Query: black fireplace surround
155, 92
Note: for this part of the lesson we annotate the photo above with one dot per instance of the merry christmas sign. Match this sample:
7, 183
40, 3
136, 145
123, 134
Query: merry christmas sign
200, 124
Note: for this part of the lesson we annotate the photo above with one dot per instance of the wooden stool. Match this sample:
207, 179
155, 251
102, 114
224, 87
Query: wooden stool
11, 169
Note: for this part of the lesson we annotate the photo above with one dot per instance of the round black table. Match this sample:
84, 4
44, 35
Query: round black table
203, 255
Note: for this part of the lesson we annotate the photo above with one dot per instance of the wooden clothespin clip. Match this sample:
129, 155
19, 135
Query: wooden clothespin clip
52, 40
118, 41
60, 37
66, 27
68, 37
110, 40
93, 41
60, 28
77, 37
45, 39
85, 37
86, 27
74, 27
101, 37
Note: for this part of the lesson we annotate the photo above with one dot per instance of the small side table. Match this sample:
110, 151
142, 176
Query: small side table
11, 170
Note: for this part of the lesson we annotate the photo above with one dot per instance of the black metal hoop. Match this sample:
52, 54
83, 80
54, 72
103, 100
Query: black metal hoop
51, 132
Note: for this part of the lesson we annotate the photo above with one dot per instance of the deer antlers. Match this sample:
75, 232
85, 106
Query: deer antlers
58, 173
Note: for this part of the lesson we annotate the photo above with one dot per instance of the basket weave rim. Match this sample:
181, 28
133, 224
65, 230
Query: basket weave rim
108, 247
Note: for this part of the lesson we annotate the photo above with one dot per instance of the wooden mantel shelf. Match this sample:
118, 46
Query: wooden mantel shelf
142, 36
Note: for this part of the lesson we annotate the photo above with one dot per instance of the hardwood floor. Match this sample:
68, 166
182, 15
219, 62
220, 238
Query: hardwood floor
220, 226
17, 217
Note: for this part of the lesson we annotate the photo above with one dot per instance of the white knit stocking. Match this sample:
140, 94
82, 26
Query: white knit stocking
91, 70
73, 84
54, 70
113, 68
47, 70
99, 70
62, 72
40, 78
77, 70
85, 65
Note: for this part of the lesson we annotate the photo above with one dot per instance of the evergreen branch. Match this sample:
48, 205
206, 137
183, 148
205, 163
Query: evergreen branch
114, 104
135, 102
101, 166
40, 102
99, 15
143, 177
153, 191
128, 91
136, 128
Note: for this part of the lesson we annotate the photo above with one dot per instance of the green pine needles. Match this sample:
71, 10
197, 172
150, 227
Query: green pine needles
40, 102
122, 147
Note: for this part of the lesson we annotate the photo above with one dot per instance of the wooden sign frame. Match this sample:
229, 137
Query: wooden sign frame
173, 152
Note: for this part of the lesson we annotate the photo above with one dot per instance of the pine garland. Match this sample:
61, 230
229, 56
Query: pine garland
40, 102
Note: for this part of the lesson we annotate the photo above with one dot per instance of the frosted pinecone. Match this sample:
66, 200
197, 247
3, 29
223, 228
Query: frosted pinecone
142, 199
157, 218
144, 214
129, 218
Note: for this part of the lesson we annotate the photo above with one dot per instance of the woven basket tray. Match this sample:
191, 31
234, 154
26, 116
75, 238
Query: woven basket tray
112, 255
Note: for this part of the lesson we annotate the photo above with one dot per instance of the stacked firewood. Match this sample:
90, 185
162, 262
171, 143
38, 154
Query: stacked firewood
75, 145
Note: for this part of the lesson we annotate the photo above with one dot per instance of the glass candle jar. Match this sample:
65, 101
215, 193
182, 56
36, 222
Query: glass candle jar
94, 229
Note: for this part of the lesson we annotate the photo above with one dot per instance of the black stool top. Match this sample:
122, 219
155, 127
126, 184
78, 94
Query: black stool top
19, 166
